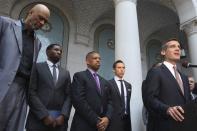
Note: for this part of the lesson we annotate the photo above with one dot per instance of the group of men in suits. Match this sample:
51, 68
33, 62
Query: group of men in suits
99, 104
166, 91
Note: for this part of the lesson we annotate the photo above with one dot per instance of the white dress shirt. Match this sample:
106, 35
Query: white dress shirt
170, 67
117, 80
50, 65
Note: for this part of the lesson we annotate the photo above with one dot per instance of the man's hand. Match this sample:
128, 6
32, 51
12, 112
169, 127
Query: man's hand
176, 112
48, 121
102, 125
59, 120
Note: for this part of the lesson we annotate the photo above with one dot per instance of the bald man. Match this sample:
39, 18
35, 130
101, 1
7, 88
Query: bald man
19, 50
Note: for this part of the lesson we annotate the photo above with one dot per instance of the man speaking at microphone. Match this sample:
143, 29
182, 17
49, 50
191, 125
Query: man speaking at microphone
167, 90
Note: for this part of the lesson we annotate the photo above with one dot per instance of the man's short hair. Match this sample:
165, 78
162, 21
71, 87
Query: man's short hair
164, 43
49, 47
116, 62
90, 53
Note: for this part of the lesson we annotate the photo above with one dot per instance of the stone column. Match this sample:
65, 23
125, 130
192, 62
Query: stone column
127, 48
191, 29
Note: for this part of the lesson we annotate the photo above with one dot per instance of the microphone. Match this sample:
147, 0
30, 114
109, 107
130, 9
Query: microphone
187, 64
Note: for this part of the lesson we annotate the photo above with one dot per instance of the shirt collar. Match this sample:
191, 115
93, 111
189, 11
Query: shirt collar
91, 71
169, 65
116, 78
23, 24
51, 63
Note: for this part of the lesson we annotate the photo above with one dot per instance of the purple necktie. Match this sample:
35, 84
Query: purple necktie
97, 81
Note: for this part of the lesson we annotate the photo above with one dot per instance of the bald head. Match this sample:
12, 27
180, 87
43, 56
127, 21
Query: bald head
40, 8
37, 17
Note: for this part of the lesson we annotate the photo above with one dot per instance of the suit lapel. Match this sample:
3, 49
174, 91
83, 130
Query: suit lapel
37, 47
18, 34
48, 73
169, 75
128, 90
102, 86
115, 86
59, 76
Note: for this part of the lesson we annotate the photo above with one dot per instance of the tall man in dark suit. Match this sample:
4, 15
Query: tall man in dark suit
19, 50
90, 97
121, 95
167, 90
49, 98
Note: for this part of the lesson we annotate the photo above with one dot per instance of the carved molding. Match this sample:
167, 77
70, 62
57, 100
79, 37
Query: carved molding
190, 27
118, 1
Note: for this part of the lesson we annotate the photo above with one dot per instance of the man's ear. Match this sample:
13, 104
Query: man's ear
87, 62
163, 52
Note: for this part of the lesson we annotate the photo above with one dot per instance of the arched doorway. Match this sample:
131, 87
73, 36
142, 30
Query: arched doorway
105, 45
153, 52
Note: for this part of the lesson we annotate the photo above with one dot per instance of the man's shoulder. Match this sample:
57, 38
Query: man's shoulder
156, 69
7, 19
64, 70
80, 74
40, 64
111, 80
127, 83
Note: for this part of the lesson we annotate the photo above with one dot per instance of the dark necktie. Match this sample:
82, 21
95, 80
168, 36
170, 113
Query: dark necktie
97, 81
122, 94
178, 79
54, 74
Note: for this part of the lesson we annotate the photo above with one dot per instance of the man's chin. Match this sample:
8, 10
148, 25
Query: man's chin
96, 68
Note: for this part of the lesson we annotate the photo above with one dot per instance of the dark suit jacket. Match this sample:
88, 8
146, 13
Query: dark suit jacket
195, 89
44, 95
89, 104
116, 123
163, 91
11, 52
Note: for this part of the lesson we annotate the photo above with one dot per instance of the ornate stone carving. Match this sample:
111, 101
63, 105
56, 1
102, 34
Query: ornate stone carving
190, 27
